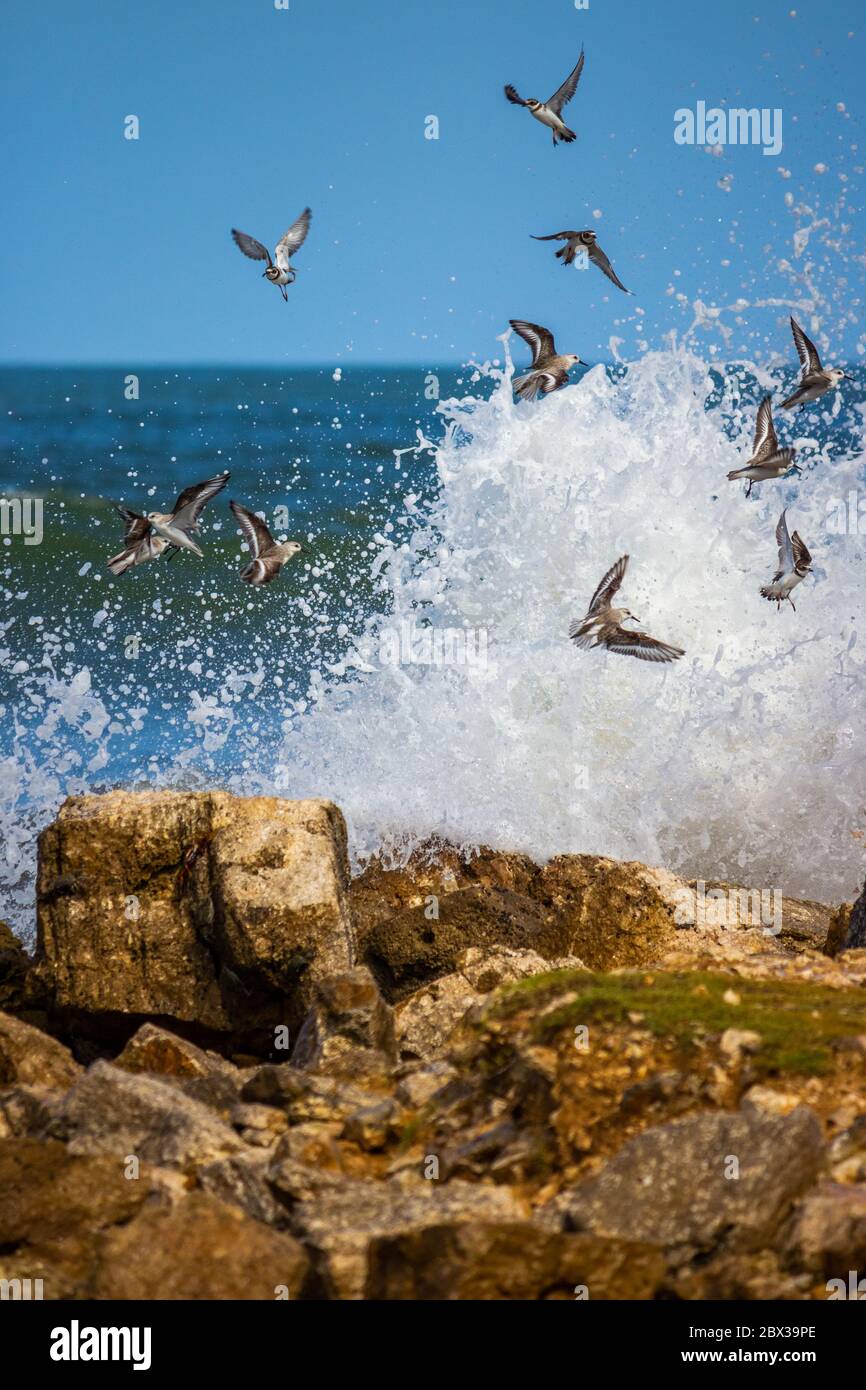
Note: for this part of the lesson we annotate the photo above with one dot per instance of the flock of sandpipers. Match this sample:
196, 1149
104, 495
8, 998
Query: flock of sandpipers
603, 625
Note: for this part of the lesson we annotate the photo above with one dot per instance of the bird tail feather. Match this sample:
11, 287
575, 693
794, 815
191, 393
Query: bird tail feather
526, 386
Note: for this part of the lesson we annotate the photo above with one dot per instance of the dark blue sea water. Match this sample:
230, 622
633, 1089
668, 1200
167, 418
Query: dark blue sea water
318, 445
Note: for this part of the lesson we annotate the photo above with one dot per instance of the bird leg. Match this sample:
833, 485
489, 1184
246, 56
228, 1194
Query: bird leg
283, 293
749, 487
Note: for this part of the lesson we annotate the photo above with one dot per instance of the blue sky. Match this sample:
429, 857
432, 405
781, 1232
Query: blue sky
118, 251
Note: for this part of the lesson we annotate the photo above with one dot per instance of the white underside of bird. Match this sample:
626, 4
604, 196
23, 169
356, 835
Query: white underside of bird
171, 534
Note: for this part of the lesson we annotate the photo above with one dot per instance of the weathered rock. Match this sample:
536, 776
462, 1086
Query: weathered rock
198, 1248
14, 968
259, 1125
416, 921
838, 929
739, 1277
53, 1208
339, 1225
374, 1126
241, 1181
202, 906
304, 1096
156, 1050
508, 1260
426, 1019
855, 933
32, 1058
848, 1152
703, 1180
202, 1075
348, 1016
24, 1112
795, 923
828, 1232
419, 1082
307, 1160
114, 1112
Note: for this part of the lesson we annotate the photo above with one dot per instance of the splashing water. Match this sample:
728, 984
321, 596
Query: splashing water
739, 761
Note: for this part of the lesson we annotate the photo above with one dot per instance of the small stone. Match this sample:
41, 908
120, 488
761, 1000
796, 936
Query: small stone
736, 1041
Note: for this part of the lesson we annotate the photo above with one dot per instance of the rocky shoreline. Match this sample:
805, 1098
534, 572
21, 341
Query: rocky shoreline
232, 1071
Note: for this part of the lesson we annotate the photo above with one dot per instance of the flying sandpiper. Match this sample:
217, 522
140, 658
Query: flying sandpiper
795, 563
268, 555
602, 626
768, 460
548, 112
140, 542
583, 241
815, 379
549, 368
146, 537
280, 271
175, 526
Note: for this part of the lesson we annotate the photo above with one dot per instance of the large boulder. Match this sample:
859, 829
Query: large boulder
198, 1248
198, 906
414, 922
339, 1225
110, 1111
704, 1180
508, 1260
54, 1207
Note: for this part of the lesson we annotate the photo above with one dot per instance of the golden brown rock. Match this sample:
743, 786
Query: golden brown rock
203, 907
32, 1058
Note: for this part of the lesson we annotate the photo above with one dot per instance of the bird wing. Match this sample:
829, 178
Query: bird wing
514, 96
256, 533
189, 506
551, 380
639, 644
765, 433
135, 528
806, 349
597, 256
539, 339
563, 95
608, 586
251, 247
555, 236
801, 554
783, 541
293, 239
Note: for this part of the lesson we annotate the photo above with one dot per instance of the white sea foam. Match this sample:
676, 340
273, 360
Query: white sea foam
739, 761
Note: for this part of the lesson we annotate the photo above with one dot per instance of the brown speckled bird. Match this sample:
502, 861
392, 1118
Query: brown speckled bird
549, 368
